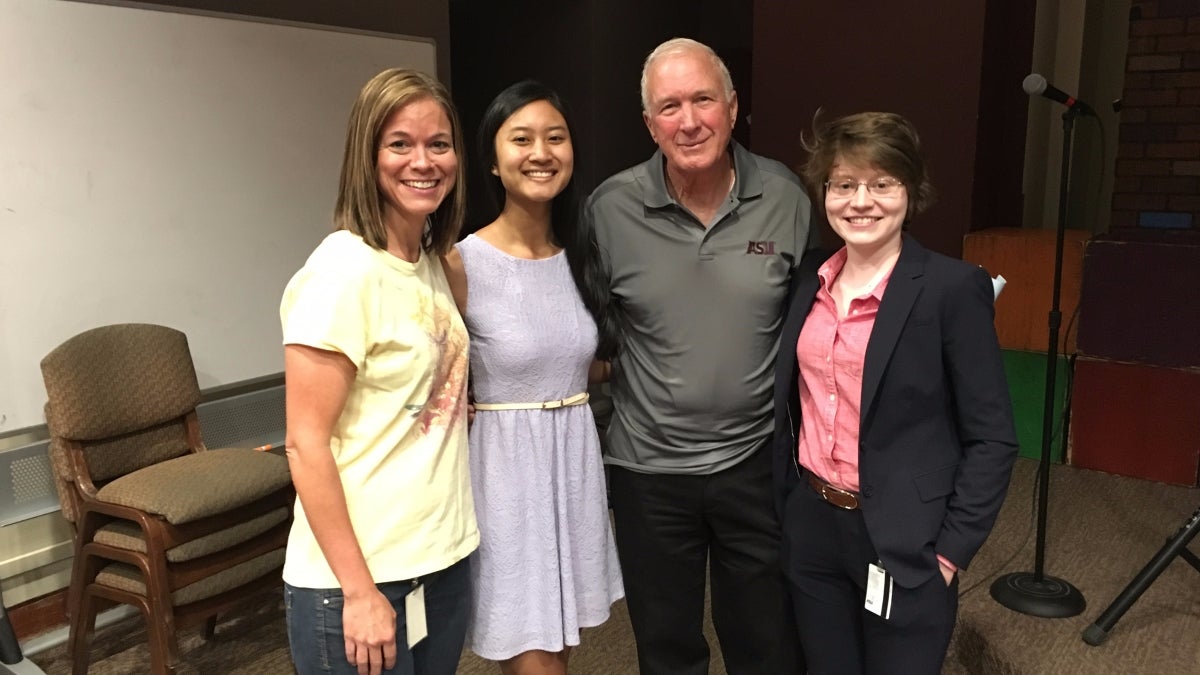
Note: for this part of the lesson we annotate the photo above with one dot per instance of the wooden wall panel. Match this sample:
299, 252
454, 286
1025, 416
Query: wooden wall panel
1025, 257
1026, 373
1136, 420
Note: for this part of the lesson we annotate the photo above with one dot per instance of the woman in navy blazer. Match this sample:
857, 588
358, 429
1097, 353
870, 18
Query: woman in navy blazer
894, 433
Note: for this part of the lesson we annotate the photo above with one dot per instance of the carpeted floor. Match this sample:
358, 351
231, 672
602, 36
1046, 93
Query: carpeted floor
1102, 530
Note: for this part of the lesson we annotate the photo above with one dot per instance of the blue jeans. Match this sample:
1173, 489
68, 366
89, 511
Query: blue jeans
314, 625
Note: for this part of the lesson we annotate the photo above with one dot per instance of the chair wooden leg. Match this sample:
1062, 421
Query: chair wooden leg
82, 608
210, 627
82, 624
74, 594
83, 571
164, 648
160, 620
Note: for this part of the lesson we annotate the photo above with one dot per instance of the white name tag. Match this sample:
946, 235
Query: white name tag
414, 615
879, 591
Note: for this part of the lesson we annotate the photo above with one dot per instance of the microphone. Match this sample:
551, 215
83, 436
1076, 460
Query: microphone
1036, 85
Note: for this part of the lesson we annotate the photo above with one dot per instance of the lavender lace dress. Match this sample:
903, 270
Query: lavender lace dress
546, 565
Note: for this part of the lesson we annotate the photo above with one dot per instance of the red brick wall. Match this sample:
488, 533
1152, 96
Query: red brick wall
1157, 186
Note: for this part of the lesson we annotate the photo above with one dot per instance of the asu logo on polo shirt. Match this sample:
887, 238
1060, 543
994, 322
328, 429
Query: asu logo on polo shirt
760, 248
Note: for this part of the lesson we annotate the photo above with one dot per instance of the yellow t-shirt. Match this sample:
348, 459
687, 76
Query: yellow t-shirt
401, 441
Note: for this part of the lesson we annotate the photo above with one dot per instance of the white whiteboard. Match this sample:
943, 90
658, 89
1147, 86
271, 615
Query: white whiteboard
165, 168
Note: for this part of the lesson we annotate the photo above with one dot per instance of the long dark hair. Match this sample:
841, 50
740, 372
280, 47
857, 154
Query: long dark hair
568, 229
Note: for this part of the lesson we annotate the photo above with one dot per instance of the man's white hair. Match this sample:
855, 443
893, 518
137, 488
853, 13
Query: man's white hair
679, 47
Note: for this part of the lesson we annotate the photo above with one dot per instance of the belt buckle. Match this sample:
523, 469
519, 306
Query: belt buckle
840, 498
551, 405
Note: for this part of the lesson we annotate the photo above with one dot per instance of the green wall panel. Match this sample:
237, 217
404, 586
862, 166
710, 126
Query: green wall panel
1026, 373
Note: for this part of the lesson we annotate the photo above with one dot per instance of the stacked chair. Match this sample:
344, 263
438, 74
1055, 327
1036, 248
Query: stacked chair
161, 523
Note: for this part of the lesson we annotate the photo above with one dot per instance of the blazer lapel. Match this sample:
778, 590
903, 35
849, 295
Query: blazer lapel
804, 285
801, 303
903, 288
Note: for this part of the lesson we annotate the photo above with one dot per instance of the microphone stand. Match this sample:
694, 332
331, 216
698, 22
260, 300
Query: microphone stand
1036, 593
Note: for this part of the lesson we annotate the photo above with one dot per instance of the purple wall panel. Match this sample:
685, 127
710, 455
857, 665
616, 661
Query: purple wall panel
1140, 303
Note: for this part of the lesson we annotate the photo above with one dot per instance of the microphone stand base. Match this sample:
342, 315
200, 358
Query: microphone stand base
1050, 598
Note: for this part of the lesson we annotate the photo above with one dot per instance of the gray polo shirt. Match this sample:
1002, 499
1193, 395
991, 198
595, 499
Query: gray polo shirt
702, 311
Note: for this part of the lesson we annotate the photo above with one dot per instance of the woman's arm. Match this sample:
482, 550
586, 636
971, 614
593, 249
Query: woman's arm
317, 384
983, 412
599, 371
456, 275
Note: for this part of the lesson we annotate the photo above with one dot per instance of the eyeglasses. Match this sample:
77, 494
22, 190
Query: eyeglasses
844, 188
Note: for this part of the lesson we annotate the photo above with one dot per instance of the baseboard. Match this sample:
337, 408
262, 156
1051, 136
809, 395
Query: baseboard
41, 624
40, 615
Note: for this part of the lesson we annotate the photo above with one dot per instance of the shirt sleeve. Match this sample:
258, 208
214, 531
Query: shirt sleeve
326, 310
600, 235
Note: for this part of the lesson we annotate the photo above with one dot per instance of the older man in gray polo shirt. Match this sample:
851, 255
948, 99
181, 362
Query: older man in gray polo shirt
700, 243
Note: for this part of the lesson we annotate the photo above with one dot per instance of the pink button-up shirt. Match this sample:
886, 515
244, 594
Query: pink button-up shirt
830, 352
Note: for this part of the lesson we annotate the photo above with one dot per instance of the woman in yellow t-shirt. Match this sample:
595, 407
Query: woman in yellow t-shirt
375, 357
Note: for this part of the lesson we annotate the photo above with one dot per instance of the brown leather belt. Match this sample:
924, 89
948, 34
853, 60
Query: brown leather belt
843, 499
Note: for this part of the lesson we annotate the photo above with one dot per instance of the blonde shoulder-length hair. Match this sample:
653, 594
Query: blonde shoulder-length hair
359, 204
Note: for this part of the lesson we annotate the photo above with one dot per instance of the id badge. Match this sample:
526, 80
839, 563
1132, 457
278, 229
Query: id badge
414, 615
879, 591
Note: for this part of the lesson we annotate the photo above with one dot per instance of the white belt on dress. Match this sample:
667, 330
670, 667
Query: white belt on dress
577, 399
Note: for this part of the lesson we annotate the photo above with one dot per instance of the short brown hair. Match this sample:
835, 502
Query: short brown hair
359, 205
885, 140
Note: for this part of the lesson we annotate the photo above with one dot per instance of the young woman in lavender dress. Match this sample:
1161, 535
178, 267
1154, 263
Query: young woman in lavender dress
529, 289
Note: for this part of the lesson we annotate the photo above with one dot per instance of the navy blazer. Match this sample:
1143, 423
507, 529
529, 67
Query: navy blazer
936, 434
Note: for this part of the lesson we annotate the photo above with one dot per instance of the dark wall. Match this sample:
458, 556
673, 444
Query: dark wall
1003, 111
591, 51
923, 60
418, 18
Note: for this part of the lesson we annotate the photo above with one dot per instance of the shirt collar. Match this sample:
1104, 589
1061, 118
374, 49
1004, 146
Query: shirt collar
830, 269
747, 180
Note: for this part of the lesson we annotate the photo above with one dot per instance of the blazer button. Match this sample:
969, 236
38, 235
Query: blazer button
866, 491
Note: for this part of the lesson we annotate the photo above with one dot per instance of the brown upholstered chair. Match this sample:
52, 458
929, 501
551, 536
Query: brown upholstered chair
161, 523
